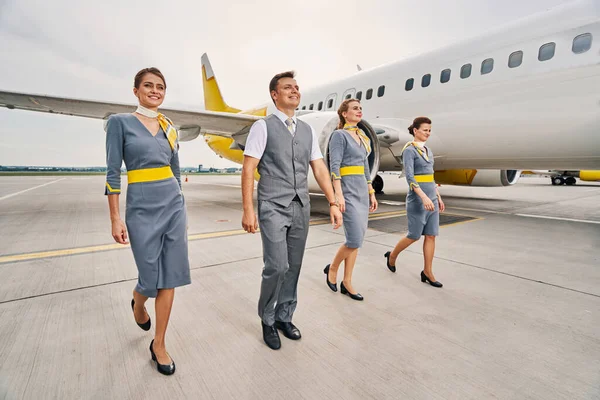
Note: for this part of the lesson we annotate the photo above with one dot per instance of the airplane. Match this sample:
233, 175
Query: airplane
523, 96
566, 177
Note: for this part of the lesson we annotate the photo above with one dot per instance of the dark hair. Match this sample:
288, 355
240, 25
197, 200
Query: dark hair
276, 78
152, 70
343, 108
417, 124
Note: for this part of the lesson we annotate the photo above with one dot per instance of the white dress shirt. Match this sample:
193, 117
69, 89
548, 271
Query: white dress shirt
257, 138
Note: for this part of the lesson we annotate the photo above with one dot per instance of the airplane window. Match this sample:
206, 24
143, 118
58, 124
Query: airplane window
358, 95
304, 107
515, 59
409, 84
348, 96
330, 103
310, 107
547, 51
381, 91
426, 80
487, 66
582, 43
465, 71
445, 76
369, 94
320, 105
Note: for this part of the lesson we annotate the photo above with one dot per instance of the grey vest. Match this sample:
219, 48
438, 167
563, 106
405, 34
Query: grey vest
283, 167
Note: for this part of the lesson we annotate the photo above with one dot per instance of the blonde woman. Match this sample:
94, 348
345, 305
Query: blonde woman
349, 149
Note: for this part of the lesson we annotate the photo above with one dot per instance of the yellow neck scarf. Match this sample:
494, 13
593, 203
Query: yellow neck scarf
363, 137
167, 126
421, 152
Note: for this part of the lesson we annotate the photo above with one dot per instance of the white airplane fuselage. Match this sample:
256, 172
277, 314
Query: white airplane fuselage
537, 115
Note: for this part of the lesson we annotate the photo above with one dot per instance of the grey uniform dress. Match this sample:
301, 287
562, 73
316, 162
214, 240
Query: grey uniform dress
345, 152
155, 211
418, 163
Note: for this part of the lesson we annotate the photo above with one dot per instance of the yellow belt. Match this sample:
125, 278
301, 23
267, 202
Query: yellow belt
424, 178
149, 174
353, 170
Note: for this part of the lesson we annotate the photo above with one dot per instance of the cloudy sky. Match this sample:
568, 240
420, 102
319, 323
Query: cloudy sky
92, 50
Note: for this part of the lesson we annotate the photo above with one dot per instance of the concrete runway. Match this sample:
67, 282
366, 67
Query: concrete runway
518, 317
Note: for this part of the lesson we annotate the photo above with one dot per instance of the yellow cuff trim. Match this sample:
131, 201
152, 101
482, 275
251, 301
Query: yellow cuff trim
111, 190
414, 185
334, 176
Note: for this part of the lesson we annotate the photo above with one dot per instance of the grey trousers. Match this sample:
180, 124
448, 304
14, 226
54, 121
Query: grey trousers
283, 231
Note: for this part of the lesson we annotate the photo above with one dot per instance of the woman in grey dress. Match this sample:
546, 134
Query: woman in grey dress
423, 201
155, 212
349, 149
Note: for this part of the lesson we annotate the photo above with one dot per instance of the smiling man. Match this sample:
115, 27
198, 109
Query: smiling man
282, 147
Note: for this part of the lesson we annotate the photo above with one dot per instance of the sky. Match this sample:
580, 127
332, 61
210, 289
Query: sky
92, 50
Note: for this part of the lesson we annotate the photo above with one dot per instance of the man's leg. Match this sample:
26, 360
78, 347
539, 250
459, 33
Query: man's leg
296, 242
274, 221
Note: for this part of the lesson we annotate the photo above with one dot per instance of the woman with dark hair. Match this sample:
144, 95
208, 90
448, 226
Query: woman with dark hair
423, 201
155, 215
349, 149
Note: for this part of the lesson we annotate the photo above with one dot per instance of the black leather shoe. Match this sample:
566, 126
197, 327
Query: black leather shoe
356, 296
424, 278
390, 267
146, 325
271, 336
165, 369
332, 286
289, 330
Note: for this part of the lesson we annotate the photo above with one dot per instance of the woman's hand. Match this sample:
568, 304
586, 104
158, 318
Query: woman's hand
341, 202
119, 232
373, 201
428, 204
442, 205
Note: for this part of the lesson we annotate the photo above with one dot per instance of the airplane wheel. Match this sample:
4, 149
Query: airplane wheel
378, 184
570, 181
558, 181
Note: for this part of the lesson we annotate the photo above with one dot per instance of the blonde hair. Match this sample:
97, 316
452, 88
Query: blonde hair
343, 108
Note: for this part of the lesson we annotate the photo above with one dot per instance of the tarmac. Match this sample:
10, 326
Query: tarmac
518, 316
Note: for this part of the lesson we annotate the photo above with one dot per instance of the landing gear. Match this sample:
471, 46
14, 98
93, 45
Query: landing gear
378, 184
563, 180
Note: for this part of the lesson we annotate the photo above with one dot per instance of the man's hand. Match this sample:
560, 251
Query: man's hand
250, 222
336, 217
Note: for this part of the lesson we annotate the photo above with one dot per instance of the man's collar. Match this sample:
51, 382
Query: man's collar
283, 116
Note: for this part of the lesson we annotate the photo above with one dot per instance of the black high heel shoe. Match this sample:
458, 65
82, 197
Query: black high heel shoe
165, 369
146, 325
356, 296
332, 286
390, 267
424, 278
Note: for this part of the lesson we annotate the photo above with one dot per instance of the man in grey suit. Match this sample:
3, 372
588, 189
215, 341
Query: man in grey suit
282, 147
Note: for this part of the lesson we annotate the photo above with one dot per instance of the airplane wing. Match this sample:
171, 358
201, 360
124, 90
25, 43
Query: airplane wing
190, 123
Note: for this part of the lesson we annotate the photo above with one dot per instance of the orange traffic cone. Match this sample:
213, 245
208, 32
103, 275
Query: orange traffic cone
186, 179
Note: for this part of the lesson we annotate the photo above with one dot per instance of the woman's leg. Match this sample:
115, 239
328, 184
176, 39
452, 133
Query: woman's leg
428, 252
349, 263
164, 302
400, 246
341, 255
139, 312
